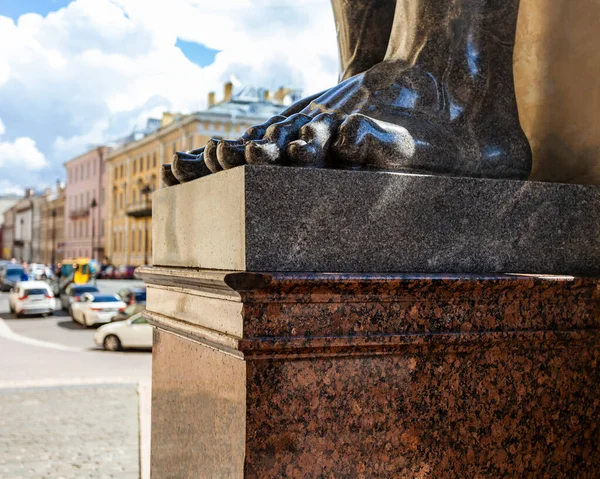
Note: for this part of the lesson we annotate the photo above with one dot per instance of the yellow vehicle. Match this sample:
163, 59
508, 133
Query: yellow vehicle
78, 271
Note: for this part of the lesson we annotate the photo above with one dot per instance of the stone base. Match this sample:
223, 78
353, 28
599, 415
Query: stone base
373, 376
261, 218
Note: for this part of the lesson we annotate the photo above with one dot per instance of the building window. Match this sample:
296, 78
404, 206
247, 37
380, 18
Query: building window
154, 160
191, 142
122, 171
141, 164
134, 166
148, 162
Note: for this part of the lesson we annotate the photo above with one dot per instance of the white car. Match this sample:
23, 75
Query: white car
134, 332
39, 272
96, 308
31, 297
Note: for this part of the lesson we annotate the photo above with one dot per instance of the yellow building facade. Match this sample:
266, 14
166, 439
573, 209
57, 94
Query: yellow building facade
52, 227
134, 168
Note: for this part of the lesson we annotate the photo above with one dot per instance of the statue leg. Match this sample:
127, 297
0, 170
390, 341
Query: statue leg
363, 29
363, 33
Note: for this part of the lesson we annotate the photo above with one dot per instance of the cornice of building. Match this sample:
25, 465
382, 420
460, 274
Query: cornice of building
104, 148
200, 116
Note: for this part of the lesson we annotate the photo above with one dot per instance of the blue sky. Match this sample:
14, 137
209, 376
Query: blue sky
15, 8
96, 70
196, 52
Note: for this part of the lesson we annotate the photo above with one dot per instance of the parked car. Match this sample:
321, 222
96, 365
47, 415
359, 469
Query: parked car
133, 333
31, 297
11, 275
73, 293
124, 272
129, 311
107, 272
133, 295
96, 308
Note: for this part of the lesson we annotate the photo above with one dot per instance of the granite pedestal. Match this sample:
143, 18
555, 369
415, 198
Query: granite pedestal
273, 373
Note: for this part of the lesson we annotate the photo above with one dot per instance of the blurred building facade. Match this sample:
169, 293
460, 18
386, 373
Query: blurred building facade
26, 229
84, 227
7, 223
52, 226
133, 168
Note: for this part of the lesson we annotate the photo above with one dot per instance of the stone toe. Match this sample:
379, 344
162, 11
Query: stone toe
271, 150
187, 167
231, 153
210, 156
257, 132
167, 175
315, 139
363, 142
262, 152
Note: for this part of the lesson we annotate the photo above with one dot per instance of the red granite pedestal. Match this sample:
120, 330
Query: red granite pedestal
373, 376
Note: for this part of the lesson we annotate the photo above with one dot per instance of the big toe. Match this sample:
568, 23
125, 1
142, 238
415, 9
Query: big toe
315, 139
272, 149
365, 142
187, 167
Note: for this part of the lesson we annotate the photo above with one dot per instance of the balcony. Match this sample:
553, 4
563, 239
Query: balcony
141, 209
79, 213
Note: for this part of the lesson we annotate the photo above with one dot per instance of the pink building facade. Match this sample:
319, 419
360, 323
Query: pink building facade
85, 205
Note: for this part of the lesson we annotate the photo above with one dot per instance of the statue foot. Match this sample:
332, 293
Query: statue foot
390, 118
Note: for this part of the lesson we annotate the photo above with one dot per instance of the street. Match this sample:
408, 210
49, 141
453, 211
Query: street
67, 408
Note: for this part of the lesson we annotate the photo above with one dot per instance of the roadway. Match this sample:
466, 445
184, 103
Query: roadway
53, 380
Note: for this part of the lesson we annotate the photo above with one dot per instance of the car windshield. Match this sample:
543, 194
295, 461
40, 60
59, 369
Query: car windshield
85, 289
36, 291
105, 298
13, 271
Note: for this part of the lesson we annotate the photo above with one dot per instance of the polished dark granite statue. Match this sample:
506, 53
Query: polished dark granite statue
427, 86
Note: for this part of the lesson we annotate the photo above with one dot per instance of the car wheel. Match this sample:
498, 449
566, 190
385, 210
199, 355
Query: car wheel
112, 343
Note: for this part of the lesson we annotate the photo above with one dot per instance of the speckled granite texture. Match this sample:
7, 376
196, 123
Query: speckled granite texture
257, 218
378, 376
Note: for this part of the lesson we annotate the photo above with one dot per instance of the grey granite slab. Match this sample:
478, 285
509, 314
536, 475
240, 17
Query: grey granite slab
261, 218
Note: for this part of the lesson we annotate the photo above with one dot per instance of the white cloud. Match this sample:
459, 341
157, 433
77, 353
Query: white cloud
21, 154
91, 71
9, 188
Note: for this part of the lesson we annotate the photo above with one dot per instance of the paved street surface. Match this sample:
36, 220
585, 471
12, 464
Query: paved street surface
83, 432
67, 408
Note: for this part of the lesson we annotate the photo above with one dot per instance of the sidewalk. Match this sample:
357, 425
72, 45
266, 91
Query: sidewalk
73, 431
